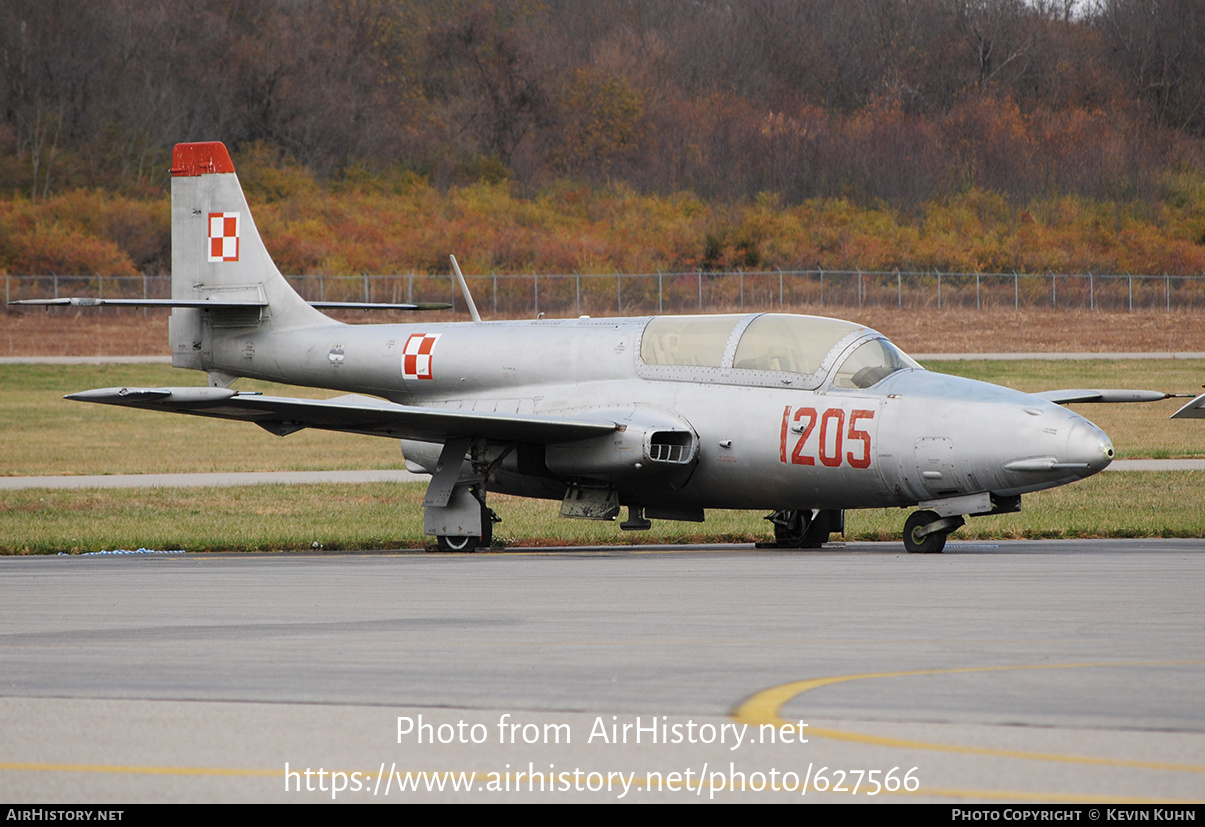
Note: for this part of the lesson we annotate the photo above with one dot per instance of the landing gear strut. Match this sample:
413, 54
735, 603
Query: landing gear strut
925, 532
803, 528
454, 510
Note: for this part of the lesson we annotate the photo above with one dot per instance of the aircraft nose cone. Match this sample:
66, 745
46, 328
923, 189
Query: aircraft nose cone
1090, 446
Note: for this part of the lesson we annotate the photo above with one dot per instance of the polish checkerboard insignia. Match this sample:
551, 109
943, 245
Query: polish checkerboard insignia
223, 236
416, 356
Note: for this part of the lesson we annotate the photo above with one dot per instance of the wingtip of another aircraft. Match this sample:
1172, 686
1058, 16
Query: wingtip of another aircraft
1193, 410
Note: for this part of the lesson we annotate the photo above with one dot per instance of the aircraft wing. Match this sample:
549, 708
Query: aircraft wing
1066, 397
351, 414
1193, 410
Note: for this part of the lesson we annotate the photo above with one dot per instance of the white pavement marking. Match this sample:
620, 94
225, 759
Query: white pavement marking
352, 477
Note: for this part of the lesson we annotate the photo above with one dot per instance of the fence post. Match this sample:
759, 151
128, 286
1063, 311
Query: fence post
1167, 291
699, 273
740, 276
822, 287
619, 296
780, 287
660, 305
859, 287
577, 289
939, 289
977, 291
1091, 291
1016, 299
1054, 291
1130, 290
899, 288
495, 280
536, 293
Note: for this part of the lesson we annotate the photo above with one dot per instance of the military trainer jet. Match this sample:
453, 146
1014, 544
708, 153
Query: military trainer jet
666, 416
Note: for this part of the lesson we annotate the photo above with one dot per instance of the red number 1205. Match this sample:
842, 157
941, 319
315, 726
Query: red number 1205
830, 441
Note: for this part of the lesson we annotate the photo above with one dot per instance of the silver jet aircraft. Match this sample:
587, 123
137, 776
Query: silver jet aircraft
667, 416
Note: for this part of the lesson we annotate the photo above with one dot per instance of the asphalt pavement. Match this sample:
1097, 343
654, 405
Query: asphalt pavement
1044, 672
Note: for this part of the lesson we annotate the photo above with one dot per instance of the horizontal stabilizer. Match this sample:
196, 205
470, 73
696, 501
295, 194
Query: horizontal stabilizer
351, 414
211, 304
1066, 397
88, 302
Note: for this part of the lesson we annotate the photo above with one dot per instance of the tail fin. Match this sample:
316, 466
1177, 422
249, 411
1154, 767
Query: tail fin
218, 256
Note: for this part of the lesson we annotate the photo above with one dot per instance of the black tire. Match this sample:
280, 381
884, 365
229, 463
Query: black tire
802, 530
457, 544
817, 531
461, 545
790, 531
931, 544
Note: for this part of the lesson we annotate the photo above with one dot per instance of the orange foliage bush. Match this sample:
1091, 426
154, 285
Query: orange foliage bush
80, 234
568, 227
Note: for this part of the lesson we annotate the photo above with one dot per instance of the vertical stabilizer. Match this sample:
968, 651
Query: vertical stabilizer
218, 256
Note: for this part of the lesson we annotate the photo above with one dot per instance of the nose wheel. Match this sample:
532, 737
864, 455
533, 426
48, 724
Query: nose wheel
925, 532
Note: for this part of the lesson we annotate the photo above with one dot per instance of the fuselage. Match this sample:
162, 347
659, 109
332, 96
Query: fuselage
768, 432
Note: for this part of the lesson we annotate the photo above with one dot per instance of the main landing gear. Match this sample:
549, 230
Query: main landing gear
475, 516
925, 532
804, 528
454, 510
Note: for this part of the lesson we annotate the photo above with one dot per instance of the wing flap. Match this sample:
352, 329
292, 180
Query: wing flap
350, 414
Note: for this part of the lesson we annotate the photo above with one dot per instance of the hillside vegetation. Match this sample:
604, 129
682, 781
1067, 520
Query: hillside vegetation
615, 136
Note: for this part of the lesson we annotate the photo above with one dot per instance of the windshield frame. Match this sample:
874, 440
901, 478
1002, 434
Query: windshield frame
906, 362
727, 373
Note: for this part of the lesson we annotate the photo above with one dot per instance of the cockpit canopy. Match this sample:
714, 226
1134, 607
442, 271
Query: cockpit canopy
760, 349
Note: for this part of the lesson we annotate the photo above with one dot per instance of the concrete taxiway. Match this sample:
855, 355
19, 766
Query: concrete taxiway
227, 479
997, 671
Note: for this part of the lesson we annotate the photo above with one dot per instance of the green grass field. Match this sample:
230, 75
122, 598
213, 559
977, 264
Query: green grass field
389, 516
40, 433
43, 433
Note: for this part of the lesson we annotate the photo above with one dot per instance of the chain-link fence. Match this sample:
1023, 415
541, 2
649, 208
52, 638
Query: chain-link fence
524, 296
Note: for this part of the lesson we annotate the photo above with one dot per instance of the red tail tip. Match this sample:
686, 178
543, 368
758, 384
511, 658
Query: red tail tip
201, 159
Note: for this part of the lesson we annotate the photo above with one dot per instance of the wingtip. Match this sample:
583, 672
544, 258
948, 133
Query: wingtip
1193, 410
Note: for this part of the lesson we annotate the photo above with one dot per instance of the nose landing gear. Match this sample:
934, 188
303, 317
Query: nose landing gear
925, 532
